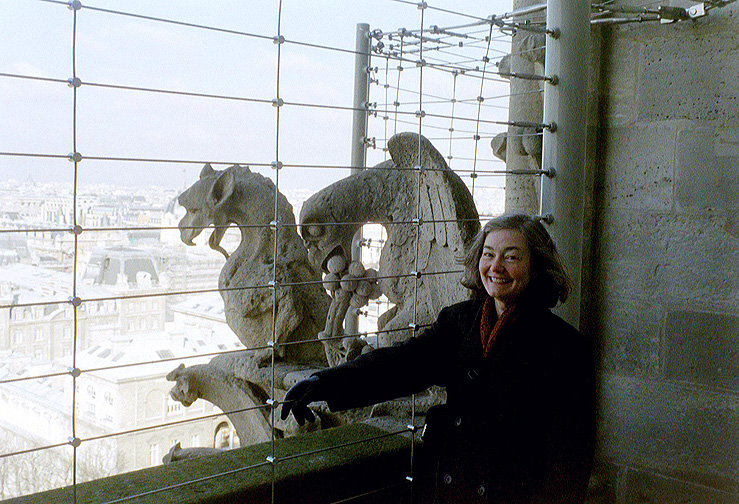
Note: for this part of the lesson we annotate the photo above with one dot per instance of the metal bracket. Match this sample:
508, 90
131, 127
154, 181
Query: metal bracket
697, 11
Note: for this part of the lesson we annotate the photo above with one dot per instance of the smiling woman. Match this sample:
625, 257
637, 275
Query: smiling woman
519, 423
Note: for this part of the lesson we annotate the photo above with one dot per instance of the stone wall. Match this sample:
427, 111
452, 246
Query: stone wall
661, 263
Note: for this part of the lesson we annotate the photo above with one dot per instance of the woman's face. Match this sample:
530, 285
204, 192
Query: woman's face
505, 266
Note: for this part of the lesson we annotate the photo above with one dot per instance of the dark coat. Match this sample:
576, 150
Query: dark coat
518, 427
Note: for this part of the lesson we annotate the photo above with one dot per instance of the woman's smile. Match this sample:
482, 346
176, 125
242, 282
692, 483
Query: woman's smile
505, 266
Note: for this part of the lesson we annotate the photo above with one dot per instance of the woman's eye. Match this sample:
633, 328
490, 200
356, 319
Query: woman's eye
511, 258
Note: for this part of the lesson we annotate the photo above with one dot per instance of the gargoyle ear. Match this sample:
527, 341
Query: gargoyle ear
223, 187
206, 171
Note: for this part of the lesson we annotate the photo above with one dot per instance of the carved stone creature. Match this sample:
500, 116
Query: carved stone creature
416, 261
521, 147
240, 383
238, 196
177, 452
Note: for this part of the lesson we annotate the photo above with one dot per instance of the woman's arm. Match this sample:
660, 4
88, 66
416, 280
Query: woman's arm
385, 373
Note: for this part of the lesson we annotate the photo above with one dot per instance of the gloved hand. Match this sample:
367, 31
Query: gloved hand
298, 398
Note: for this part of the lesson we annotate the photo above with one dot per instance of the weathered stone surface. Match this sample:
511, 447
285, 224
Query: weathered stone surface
629, 341
639, 171
389, 193
707, 168
691, 73
677, 258
689, 432
703, 347
620, 81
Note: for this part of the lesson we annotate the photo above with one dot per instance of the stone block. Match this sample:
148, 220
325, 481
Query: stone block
690, 74
628, 340
702, 347
619, 81
677, 258
707, 169
638, 169
688, 432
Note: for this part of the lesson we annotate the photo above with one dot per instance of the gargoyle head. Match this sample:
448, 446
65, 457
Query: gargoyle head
204, 202
326, 228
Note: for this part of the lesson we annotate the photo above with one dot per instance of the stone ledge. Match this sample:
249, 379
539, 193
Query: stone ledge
329, 472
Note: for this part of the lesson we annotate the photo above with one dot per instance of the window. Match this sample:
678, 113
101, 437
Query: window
91, 391
17, 337
154, 458
109, 398
67, 332
195, 441
173, 406
39, 334
173, 442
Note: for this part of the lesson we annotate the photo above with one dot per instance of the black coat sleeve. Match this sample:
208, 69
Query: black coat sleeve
400, 370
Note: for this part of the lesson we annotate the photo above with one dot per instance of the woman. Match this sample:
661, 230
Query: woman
519, 422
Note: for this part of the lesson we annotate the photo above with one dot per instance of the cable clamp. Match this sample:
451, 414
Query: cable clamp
421, 63
413, 326
275, 225
552, 79
76, 230
277, 102
409, 478
272, 284
417, 221
422, 5
271, 403
369, 105
419, 168
550, 172
552, 126
480, 99
416, 274
476, 137
74, 157
420, 114
75, 441
554, 33
74, 5
276, 165
473, 175
278, 39
271, 344
74, 82
76, 301
271, 459
370, 142
75, 372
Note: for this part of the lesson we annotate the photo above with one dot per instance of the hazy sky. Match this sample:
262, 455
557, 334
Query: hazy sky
36, 38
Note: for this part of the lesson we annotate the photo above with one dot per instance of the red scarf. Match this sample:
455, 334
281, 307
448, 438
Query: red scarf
492, 325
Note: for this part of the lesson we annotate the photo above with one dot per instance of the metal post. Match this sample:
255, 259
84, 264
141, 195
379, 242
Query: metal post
567, 57
359, 134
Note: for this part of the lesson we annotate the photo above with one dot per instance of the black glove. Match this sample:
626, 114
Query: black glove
298, 398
